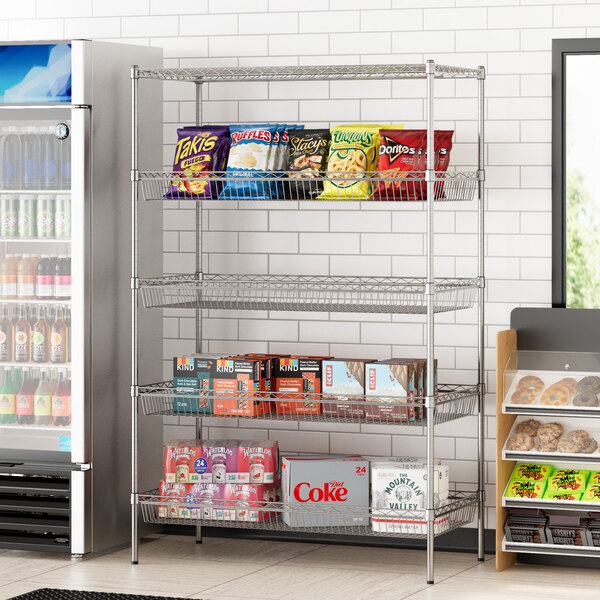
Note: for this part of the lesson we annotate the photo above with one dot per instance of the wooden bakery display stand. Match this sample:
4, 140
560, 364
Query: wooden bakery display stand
555, 343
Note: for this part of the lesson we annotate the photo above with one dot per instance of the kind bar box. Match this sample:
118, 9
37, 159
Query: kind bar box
344, 377
192, 376
399, 497
249, 501
385, 381
235, 382
257, 461
182, 461
294, 379
322, 487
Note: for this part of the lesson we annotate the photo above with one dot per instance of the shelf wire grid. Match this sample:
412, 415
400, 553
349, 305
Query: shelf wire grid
457, 511
400, 186
307, 293
452, 402
310, 73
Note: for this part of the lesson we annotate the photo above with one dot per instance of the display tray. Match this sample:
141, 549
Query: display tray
307, 293
332, 186
458, 511
562, 550
569, 424
452, 402
563, 404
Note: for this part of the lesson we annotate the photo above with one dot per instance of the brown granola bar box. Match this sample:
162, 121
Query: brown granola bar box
344, 378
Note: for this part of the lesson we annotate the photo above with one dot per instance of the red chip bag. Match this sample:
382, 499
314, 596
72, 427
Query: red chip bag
399, 164
442, 143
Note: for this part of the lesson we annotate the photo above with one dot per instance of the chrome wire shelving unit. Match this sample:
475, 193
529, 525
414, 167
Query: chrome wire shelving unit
426, 295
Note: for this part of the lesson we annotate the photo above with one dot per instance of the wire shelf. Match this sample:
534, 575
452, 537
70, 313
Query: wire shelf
310, 73
307, 293
452, 402
399, 186
458, 511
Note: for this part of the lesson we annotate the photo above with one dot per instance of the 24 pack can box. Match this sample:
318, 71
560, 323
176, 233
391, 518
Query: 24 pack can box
232, 377
246, 501
399, 491
181, 461
385, 381
320, 487
344, 377
191, 500
298, 378
257, 461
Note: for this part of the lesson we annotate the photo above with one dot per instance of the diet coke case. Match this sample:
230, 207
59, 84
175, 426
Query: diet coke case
257, 461
246, 501
181, 461
399, 491
314, 484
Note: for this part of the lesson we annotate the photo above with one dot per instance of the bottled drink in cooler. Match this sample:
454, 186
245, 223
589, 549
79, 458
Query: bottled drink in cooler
65, 164
62, 219
6, 336
59, 337
61, 401
50, 158
62, 278
25, 398
32, 155
8, 409
27, 216
40, 337
44, 281
9, 211
45, 216
22, 337
42, 400
11, 159
26, 271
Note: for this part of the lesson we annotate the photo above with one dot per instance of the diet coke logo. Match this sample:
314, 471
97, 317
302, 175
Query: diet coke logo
332, 491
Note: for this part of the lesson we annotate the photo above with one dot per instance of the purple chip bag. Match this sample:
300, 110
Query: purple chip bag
198, 153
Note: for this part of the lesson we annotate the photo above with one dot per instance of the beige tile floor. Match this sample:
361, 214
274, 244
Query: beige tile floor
228, 569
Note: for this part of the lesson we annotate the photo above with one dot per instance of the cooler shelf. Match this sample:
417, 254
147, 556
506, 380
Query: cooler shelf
453, 402
551, 504
561, 550
458, 511
307, 293
451, 186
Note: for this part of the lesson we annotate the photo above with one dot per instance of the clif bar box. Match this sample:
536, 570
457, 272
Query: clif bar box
344, 377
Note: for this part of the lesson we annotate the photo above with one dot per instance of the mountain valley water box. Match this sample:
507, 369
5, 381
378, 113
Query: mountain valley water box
320, 486
390, 378
192, 375
400, 492
344, 377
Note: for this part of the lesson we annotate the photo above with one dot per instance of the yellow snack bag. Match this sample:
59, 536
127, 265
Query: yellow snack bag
353, 152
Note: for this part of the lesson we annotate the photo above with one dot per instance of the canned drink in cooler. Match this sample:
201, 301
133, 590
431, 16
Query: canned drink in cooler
45, 216
62, 220
9, 209
27, 216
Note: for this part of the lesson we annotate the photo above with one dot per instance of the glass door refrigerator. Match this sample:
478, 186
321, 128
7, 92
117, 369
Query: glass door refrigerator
65, 342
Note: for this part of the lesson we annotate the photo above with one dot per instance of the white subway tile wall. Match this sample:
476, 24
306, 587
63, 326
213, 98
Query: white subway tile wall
511, 38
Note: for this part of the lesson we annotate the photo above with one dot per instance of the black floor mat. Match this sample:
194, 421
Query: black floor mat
56, 594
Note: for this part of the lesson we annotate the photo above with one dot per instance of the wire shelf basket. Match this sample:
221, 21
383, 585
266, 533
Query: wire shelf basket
310, 73
283, 185
307, 293
458, 511
452, 402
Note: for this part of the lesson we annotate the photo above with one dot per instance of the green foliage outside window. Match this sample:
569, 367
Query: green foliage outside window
583, 245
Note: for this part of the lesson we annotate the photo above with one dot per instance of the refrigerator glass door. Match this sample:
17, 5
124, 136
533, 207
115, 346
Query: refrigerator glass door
42, 415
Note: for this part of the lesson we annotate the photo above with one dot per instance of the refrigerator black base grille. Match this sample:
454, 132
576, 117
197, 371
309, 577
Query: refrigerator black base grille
50, 594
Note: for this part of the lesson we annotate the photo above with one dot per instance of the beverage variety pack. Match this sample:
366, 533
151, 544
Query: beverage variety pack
221, 461
399, 496
318, 486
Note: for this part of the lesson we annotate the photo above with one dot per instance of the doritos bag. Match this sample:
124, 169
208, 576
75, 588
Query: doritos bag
442, 142
399, 164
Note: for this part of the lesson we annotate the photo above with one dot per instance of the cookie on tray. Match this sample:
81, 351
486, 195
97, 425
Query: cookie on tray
520, 442
569, 445
545, 446
530, 427
578, 434
550, 431
589, 446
